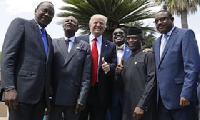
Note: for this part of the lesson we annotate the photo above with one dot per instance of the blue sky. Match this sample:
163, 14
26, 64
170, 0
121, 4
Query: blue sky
11, 9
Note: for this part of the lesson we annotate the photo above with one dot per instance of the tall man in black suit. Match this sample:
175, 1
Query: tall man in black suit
71, 73
25, 65
103, 69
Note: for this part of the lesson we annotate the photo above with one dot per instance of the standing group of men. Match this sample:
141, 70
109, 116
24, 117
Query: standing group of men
89, 77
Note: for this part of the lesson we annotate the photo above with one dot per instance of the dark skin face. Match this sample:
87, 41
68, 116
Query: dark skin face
44, 14
118, 37
134, 43
70, 26
163, 22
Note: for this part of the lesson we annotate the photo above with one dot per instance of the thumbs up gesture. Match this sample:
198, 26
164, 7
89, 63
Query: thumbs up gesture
119, 67
105, 66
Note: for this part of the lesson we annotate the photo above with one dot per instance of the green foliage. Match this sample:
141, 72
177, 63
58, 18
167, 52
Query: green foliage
119, 12
178, 6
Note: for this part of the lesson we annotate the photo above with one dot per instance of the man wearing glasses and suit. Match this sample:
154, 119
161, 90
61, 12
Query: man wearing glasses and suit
177, 67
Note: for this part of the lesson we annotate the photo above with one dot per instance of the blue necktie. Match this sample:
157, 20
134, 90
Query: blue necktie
44, 39
67, 43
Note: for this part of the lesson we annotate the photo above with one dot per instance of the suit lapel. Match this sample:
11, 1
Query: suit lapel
75, 46
157, 50
63, 47
169, 43
38, 35
127, 52
103, 52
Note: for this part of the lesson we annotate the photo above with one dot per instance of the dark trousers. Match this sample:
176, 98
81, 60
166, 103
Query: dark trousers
185, 113
114, 113
94, 110
61, 112
28, 111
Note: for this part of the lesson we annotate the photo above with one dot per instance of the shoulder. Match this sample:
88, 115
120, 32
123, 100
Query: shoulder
56, 40
81, 41
147, 54
83, 38
183, 31
19, 21
108, 42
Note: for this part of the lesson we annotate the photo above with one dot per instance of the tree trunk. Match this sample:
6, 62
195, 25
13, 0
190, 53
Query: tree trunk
184, 19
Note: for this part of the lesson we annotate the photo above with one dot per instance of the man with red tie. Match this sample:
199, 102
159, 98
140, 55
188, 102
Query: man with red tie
104, 60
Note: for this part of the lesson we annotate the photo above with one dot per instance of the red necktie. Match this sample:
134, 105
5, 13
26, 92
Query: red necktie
94, 61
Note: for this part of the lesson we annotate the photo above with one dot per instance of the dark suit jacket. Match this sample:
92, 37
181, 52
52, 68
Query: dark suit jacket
178, 68
71, 72
118, 86
23, 61
108, 51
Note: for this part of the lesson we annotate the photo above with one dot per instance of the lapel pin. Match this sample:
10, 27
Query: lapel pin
135, 63
78, 48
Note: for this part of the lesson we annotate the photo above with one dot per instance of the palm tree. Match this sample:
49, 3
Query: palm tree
181, 7
118, 12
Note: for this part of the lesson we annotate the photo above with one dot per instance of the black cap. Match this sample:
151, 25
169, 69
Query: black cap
134, 31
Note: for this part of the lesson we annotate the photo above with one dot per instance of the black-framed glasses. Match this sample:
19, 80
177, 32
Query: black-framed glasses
115, 33
162, 19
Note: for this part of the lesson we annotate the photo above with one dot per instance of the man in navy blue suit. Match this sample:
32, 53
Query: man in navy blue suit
105, 59
123, 52
177, 67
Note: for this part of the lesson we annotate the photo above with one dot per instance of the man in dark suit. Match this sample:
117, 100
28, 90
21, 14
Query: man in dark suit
139, 79
177, 67
72, 70
25, 65
117, 97
104, 62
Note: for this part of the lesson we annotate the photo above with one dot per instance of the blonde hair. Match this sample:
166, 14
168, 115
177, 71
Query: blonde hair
98, 16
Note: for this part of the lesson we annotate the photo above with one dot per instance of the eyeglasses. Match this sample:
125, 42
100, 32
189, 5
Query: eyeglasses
162, 19
115, 33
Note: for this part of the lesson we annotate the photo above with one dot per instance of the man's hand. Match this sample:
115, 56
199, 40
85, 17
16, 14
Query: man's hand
105, 66
11, 99
79, 107
119, 67
138, 112
148, 50
184, 102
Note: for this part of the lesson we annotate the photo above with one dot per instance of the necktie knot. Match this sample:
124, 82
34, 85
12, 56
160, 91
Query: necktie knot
43, 30
67, 41
95, 39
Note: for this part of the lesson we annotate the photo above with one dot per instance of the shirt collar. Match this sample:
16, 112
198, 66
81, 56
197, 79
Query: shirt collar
91, 37
71, 38
122, 47
38, 25
170, 32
